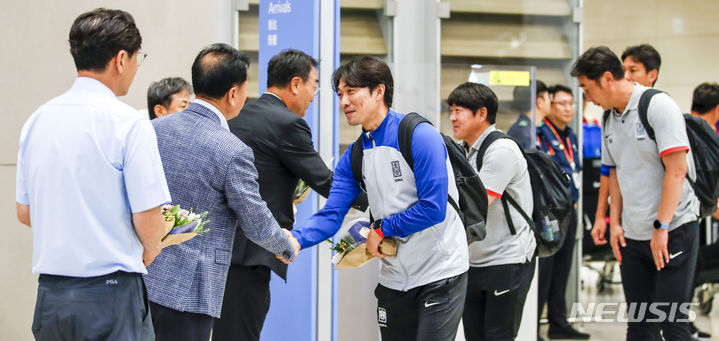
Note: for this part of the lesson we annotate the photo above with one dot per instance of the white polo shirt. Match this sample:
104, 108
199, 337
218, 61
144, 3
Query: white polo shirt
504, 168
637, 158
86, 163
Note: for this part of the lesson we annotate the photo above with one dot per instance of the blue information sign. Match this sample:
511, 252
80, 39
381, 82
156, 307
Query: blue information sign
292, 24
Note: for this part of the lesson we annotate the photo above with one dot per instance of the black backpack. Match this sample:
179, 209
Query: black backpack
705, 148
472, 206
551, 193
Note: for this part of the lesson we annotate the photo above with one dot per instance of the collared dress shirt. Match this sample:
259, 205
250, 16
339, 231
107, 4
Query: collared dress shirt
86, 163
208, 105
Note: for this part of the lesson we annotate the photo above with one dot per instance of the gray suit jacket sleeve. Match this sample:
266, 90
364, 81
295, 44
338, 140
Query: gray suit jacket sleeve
254, 218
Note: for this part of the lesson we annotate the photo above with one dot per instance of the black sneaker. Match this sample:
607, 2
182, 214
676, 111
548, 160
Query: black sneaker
567, 333
698, 335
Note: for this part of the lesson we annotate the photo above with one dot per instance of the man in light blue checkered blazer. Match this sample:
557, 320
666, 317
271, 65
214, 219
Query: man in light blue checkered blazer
208, 169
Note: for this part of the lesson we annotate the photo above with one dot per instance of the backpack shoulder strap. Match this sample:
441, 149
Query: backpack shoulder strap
493, 136
404, 135
356, 161
605, 117
643, 107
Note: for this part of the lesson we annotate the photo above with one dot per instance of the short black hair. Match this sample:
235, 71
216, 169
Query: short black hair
645, 54
559, 87
366, 71
594, 62
521, 99
474, 96
287, 65
705, 98
98, 35
217, 68
161, 92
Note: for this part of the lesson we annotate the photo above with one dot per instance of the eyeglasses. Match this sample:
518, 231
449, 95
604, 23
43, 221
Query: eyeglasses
141, 57
563, 103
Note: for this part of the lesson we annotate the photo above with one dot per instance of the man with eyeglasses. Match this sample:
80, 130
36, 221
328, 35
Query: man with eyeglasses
90, 183
558, 140
273, 126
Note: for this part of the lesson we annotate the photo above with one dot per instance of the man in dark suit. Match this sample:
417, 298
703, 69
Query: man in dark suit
208, 169
282, 143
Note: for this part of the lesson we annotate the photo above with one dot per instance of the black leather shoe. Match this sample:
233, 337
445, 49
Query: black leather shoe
567, 333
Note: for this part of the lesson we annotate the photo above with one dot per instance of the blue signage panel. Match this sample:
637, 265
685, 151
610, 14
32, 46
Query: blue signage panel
292, 24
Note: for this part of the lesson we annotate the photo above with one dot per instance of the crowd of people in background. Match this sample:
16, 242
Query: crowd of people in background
92, 176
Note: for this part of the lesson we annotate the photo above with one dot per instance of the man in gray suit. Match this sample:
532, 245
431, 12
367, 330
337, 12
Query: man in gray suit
208, 169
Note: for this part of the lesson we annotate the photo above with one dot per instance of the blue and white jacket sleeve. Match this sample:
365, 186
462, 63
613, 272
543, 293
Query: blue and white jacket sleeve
430, 173
327, 221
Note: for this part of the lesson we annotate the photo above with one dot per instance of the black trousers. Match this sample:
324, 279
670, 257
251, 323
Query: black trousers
495, 301
245, 304
427, 313
108, 307
671, 286
173, 325
553, 276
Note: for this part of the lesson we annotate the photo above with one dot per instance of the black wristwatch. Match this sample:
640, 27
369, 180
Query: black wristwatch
377, 227
660, 226
377, 224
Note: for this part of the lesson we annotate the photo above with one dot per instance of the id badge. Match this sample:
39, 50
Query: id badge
639, 131
577, 180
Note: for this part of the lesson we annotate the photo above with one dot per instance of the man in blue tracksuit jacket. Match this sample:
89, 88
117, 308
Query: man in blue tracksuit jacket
558, 140
421, 290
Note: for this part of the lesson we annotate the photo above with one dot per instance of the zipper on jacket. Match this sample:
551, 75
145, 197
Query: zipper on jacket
369, 135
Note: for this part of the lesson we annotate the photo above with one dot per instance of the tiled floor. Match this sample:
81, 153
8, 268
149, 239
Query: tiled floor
614, 331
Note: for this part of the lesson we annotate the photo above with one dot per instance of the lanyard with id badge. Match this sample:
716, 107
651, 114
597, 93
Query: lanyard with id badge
569, 154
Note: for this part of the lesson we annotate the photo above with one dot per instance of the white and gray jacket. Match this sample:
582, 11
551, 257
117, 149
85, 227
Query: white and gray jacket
431, 242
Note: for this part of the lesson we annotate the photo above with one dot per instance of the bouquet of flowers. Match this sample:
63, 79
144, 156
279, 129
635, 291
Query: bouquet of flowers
302, 190
352, 248
182, 225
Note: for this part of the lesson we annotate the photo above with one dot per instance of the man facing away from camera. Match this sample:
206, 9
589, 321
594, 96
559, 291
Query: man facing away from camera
90, 183
208, 169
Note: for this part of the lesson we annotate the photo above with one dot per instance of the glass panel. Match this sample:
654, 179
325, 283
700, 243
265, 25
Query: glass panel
515, 88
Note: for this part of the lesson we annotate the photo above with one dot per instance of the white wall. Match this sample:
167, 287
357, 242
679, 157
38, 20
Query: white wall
684, 32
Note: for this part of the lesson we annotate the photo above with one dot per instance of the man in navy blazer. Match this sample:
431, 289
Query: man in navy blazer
208, 169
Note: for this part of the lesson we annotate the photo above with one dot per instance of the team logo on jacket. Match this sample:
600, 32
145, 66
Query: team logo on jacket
396, 171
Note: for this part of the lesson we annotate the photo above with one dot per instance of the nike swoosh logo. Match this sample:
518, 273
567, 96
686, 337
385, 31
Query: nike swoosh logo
499, 293
428, 304
673, 255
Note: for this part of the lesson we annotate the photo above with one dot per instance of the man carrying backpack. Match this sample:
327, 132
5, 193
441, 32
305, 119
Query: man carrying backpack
558, 140
654, 210
421, 290
502, 265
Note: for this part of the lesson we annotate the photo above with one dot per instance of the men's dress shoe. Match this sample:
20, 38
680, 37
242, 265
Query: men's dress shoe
567, 333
